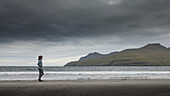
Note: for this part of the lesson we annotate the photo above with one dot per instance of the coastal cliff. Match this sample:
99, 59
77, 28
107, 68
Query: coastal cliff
149, 55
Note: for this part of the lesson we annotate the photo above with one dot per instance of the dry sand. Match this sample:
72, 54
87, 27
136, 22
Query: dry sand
86, 88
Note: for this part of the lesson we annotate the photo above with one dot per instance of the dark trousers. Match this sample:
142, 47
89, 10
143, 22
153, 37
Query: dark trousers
41, 73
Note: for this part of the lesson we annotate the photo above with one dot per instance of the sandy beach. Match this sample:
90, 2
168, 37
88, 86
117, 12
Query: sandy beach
86, 88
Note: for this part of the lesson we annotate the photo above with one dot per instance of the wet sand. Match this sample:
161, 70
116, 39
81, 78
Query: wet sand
86, 88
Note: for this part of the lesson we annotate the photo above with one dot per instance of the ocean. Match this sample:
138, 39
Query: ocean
85, 72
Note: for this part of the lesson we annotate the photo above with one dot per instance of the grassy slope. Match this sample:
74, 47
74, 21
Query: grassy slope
145, 56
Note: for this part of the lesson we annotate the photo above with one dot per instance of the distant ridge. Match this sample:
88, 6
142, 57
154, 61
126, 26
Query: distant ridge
91, 56
95, 55
154, 46
150, 55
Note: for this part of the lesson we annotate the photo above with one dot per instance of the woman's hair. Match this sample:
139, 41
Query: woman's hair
40, 57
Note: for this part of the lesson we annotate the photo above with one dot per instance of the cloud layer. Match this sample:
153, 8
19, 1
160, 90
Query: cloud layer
58, 20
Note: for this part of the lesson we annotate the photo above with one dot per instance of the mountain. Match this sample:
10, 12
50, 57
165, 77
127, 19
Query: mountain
154, 46
95, 55
91, 56
149, 55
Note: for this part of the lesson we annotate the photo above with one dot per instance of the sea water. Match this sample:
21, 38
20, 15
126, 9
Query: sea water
85, 72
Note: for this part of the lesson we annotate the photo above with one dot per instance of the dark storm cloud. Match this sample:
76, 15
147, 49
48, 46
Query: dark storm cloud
55, 20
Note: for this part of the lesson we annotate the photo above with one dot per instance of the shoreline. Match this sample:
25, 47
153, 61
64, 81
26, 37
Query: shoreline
85, 88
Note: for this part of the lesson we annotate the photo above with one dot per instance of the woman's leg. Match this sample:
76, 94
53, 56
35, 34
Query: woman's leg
41, 73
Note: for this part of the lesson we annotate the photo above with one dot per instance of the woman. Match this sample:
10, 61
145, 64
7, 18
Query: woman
40, 68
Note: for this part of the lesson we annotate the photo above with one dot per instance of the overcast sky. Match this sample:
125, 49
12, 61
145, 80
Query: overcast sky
64, 30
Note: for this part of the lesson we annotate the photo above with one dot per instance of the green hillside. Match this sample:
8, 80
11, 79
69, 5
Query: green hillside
149, 55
